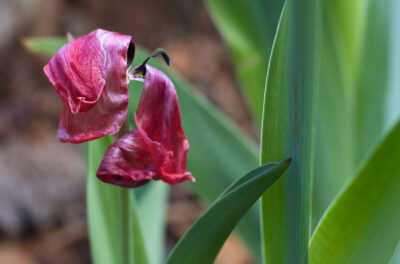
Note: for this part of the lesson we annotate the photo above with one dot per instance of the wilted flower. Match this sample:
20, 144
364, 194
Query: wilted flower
90, 76
157, 148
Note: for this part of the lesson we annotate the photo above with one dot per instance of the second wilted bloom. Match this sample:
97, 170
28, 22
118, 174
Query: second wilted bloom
157, 148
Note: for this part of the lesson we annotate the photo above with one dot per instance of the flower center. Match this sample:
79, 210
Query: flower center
139, 72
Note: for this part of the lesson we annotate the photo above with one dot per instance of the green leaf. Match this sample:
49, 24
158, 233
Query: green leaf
351, 110
287, 130
248, 27
202, 242
338, 52
106, 240
136, 247
214, 141
152, 201
114, 228
361, 225
370, 104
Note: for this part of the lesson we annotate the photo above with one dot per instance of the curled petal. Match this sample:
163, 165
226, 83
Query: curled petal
127, 162
90, 76
157, 148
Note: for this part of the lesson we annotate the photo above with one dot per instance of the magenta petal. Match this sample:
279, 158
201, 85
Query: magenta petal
127, 162
90, 76
158, 148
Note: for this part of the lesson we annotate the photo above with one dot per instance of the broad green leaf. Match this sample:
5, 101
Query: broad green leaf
248, 27
337, 54
114, 229
202, 242
372, 85
214, 141
287, 130
356, 37
350, 104
351, 109
362, 224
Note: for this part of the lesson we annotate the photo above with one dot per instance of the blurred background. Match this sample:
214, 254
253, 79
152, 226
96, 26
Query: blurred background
42, 199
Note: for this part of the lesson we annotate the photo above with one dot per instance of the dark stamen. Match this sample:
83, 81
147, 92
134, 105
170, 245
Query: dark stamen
141, 69
131, 53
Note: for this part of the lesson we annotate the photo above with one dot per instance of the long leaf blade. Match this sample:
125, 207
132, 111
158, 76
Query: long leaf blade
107, 247
200, 245
152, 202
107, 230
248, 27
287, 130
352, 102
361, 225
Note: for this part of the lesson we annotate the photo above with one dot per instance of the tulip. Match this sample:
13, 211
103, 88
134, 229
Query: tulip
91, 75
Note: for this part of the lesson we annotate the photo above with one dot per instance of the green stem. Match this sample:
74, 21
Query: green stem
125, 225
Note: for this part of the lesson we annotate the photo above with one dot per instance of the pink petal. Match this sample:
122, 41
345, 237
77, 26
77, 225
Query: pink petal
90, 76
127, 162
158, 148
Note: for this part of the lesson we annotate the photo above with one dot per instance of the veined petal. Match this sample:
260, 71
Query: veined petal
90, 76
158, 148
127, 162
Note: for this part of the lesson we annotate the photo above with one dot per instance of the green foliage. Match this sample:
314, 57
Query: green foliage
248, 28
200, 245
112, 239
152, 202
346, 101
330, 78
214, 141
361, 225
353, 39
287, 131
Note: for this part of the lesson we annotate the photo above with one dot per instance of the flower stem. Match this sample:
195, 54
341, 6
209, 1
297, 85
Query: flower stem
125, 227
